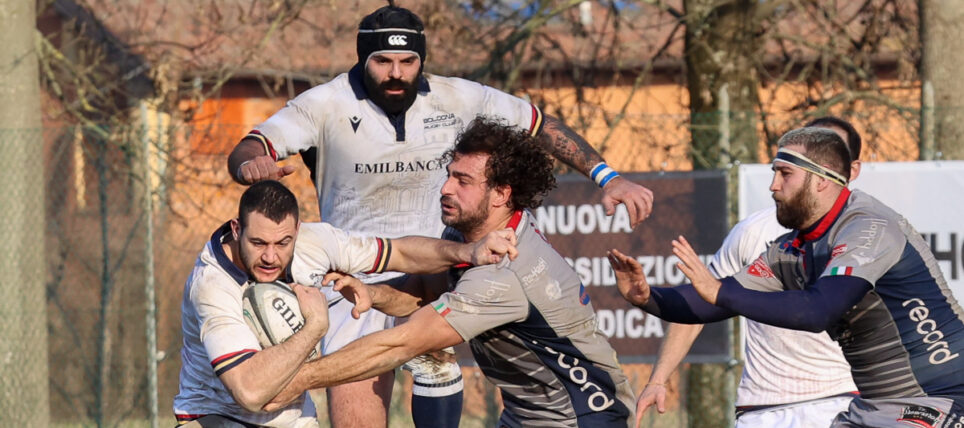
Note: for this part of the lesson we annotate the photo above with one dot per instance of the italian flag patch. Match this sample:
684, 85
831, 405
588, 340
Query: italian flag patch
442, 309
842, 270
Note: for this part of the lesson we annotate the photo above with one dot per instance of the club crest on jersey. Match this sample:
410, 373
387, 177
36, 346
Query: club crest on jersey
355, 121
440, 120
920, 416
759, 268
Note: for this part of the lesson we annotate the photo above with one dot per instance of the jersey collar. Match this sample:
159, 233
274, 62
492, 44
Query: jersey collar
357, 81
815, 232
217, 239
515, 223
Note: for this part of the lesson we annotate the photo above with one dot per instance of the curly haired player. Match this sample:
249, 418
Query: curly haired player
530, 324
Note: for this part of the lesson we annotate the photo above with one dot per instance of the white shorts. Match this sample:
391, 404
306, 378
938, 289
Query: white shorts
343, 329
808, 414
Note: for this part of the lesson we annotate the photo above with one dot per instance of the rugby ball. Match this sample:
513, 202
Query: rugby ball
272, 312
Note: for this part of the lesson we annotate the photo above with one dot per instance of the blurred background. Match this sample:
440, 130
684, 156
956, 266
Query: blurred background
117, 117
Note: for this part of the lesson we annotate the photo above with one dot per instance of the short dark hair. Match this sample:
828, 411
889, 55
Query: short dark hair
853, 137
270, 198
822, 146
516, 159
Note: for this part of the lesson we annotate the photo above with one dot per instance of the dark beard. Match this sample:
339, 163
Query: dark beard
794, 213
391, 104
467, 223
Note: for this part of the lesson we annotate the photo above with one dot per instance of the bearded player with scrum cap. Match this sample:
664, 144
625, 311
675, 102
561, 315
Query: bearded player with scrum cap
373, 137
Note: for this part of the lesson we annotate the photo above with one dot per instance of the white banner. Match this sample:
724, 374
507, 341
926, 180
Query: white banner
929, 194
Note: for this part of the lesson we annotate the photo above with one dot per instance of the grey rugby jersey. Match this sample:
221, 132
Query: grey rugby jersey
906, 336
533, 333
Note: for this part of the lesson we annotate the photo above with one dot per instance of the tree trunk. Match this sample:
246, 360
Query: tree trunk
942, 42
23, 314
723, 42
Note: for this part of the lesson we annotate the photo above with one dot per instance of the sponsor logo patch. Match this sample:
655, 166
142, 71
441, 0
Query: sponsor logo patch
355, 121
440, 120
838, 250
583, 295
760, 269
920, 416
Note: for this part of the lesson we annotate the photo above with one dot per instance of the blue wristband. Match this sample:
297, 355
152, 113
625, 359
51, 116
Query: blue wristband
602, 174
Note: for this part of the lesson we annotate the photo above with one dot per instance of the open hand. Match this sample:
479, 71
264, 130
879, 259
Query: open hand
354, 291
652, 394
629, 278
703, 280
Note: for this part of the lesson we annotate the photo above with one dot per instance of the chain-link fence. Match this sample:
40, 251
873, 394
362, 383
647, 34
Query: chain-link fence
126, 210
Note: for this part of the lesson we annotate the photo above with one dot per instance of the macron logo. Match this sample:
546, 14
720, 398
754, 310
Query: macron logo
397, 40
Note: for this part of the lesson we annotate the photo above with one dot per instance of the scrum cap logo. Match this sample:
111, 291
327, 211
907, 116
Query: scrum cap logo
397, 40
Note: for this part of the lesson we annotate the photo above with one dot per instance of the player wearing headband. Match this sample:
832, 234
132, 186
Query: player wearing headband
851, 267
791, 378
373, 138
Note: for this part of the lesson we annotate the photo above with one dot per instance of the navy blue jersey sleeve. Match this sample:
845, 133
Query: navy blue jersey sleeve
682, 304
815, 308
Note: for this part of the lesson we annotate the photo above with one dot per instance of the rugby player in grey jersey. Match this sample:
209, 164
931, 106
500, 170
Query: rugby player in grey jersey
852, 267
530, 324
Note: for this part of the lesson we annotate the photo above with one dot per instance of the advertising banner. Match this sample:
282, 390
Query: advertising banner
692, 204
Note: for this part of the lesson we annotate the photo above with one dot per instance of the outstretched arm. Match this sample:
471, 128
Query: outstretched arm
677, 343
377, 353
814, 308
421, 255
401, 301
573, 150
680, 304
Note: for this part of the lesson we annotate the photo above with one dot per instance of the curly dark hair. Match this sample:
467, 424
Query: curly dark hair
516, 159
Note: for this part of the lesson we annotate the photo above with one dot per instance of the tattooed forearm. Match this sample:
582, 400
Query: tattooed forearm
568, 146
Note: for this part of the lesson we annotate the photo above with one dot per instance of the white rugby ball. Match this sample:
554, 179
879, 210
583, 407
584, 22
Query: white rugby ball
272, 312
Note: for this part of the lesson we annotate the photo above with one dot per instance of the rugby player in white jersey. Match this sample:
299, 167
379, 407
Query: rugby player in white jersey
226, 378
375, 135
530, 323
791, 378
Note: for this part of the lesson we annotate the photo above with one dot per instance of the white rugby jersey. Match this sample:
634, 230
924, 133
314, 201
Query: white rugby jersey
377, 174
782, 365
216, 338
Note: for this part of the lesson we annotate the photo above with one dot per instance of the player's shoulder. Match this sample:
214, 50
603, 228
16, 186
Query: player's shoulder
862, 204
867, 219
310, 232
321, 95
209, 281
445, 85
